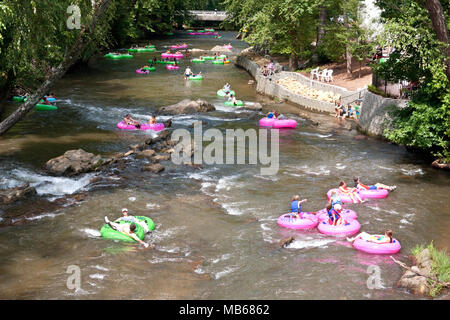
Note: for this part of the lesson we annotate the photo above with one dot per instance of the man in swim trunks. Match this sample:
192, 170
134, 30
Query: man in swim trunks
127, 229
131, 122
129, 218
351, 192
188, 72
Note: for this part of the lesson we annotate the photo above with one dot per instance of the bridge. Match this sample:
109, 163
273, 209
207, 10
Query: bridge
208, 15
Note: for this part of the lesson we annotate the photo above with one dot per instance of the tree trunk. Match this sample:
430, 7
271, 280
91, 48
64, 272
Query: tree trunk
320, 31
437, 16
293, 62
70, 58
348, 54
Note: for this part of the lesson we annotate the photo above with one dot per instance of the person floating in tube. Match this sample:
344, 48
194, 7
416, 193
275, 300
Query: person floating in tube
152, 120
226, 88
376, 238
296, 205
232, 99
351, 192
334, 215
188, 72
127, 229
131, 122
376, 186
129, 218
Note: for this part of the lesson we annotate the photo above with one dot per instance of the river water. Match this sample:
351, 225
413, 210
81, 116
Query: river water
216, 234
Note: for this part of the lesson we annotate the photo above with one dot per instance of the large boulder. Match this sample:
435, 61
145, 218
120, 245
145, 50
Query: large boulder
73, 162
253, 106
413, 280
14, 194
187, 106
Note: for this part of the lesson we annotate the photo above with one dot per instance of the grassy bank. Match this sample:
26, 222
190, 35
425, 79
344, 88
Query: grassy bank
440, 266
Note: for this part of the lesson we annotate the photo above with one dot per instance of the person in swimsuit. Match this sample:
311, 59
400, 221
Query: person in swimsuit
127, 229
335, 198
227, 88
270, 114
376, 186
296, 205
351, 192
152, 120
131, 122
386, 238
188, 72
133, 219
334, 214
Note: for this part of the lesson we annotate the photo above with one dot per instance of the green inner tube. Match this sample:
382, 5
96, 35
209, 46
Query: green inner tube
19, 98
383, 60
217, 62
222, 56
198, 60
231, 104
209, 30
109, 233
150, 46
222, 93
45, 107
201, 31
118, 56
142, 50
169, 33
149, 68
196, 77
190, 30
218, 37
207, 58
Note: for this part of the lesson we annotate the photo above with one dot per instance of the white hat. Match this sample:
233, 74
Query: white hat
337, 207
124, 209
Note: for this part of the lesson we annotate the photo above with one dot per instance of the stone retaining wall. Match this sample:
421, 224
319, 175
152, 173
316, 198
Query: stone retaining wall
375, 113
267, 86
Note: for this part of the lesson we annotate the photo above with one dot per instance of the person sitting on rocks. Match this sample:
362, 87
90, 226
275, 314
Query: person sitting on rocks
131, 122
376, 186
386, 238
265, 71
271, 67
152, 120
127, 229
129, 218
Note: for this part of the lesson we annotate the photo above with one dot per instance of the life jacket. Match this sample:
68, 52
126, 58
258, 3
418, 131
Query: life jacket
295, 206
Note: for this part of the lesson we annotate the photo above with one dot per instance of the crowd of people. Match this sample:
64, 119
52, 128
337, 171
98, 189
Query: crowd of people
349, 111
334, 208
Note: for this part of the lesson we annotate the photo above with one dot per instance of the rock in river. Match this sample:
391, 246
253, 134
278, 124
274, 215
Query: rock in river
73, 162
187, 106
14, 194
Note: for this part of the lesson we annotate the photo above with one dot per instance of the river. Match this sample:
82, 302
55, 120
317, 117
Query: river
216, 234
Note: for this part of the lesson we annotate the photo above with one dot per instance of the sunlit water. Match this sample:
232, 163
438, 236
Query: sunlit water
216, 235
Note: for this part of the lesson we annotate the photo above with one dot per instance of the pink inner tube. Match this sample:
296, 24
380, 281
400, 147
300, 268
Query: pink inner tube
144, 126
266, 122
352, 227
344, 197
373, 194
172, 55
172, 67
377, 248
347, 214
183, 46
288, 123
228, 47
307, 221
142, 72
